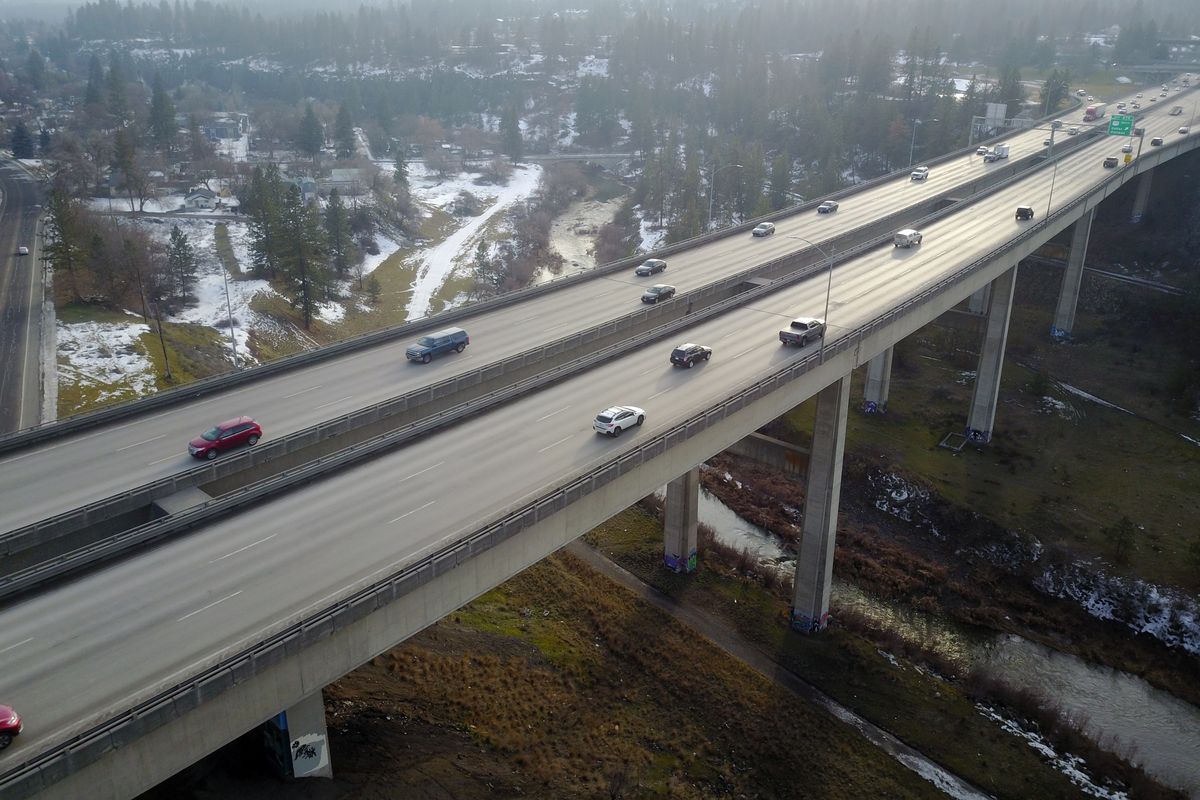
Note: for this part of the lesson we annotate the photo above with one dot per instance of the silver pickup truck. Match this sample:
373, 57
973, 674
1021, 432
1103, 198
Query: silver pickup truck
802, 330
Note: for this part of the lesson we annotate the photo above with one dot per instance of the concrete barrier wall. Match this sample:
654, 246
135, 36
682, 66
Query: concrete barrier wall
787, 458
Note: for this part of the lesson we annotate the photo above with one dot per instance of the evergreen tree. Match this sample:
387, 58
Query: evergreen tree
265, 207
401, 173
337, 231
198, 145
510, 133
303, 268
64, 245
162, 116
181, 262
115, 88
93, 95
311, 137
21, 141
44, 142
343, 133
781, 182
374, 289
35, 70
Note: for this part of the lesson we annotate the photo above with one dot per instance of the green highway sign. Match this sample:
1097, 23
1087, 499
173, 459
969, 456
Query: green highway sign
1120, 125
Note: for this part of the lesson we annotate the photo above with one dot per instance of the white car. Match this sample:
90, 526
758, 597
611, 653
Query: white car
1184, 130
1127, 148
611, 421
982, 150
22, 250
1073, 131
919, 174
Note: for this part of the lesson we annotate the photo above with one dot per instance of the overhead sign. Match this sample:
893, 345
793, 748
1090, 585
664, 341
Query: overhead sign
1120, 125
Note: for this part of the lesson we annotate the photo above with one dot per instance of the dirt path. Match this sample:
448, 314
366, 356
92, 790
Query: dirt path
723, 636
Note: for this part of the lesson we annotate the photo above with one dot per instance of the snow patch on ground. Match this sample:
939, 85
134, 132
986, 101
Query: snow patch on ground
652, 238
1070, 765
437, 263
331, 313
1166, 614
387, 247
108, 354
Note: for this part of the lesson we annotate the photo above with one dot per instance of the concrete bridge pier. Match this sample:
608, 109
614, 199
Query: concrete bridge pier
978, 302
1142, 197
1068, 295
982, 415
680, 522
818, 531
301, 732
879, 381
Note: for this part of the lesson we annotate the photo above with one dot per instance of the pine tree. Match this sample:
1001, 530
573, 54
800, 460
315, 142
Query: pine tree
374, 289
343, 133
303, 268
64, 247
510, 132
93, 95
311, 137
35, 70
22, 141
266, 224
44, 142
162, 116
337, 231
401, 173
181, 262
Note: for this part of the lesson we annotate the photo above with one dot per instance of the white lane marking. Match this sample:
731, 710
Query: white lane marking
139, 444
559, 325
410, 513
18, 644
664, 391
731, 333
648, 371
158, 461
551, 414
422, 472
739, 355
333, 402
302, 391
210, 605
556, 444
242, 549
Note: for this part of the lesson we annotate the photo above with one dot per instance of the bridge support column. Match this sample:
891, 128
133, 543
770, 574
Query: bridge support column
303, 728
991, 359
1068, 295
1142, 197
680, 522
978, 302
879, 381
818, 531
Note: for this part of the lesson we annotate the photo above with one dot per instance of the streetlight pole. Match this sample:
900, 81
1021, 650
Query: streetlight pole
712, 182
1053, 176
913, 144
828, 286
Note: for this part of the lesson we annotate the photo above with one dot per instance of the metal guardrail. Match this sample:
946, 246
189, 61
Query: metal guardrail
29, 436
46, 768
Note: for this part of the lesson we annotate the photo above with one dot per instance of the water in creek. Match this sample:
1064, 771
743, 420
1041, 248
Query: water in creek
1161, 731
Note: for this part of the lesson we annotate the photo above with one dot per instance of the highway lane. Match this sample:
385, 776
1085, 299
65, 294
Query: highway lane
74, 470
20, 301
81, 652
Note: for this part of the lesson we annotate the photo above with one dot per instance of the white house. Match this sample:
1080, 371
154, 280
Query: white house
200, 198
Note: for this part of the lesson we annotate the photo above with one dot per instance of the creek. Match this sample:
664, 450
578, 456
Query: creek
1146, 725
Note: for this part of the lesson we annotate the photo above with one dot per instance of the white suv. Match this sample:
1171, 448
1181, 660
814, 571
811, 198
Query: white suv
920, 173
611, 421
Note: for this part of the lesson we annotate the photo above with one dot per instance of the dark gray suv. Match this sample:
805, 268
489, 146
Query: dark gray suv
437, 343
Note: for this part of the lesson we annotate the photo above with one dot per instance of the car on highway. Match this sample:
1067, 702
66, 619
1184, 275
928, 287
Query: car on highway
437, 343
763, 229
22, 250
1090, 98
1135, 105
1080, 93
1024, 212
802, 330
919, 174
229, 434
1139, 95
1047, 142
1139, 131
1184, 130
1153, 99
1127, 148
906, 238
10, 725
828, 207
650, 266
688, 354
659, 291
1110, 162
1120, 106
1156, 141
1073, 130
615, 419
982, 150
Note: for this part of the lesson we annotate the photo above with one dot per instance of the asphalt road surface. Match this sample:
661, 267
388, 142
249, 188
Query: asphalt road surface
78, 653
20, 301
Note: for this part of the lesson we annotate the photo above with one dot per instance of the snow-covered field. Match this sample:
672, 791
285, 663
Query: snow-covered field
107, 358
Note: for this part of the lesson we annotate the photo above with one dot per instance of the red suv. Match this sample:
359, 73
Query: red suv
232, 433
10, 726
